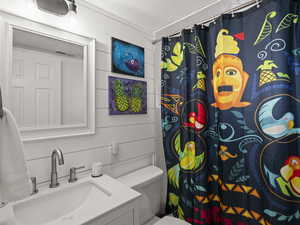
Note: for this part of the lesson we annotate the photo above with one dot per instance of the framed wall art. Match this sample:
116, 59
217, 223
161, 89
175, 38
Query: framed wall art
127, 96
127, 58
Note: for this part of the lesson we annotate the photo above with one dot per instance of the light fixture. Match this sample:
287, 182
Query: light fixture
72, 6
72, 11
57, 7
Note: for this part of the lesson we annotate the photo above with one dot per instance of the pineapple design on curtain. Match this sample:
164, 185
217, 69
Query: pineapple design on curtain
231, 130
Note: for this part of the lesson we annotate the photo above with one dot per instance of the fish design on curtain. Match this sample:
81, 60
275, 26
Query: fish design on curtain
230, 118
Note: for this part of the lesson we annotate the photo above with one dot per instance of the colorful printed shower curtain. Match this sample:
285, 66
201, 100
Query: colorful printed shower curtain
230, 118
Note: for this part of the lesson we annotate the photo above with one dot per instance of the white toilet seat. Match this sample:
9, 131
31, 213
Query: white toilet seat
169, 220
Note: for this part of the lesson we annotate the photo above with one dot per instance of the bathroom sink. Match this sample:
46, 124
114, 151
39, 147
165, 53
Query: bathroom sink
71, 204
49, 207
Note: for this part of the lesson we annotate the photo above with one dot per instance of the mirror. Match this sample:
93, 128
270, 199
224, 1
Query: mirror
47, 82
50, 84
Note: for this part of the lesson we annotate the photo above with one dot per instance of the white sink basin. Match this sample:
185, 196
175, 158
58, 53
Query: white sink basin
54, 205
69, 204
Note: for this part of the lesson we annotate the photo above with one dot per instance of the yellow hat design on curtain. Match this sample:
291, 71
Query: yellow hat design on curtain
229, 78
226, 44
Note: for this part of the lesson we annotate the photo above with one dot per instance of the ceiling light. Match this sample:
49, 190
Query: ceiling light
57, 7
72, 6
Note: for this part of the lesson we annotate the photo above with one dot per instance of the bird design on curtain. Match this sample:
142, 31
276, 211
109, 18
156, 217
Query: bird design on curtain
231, 130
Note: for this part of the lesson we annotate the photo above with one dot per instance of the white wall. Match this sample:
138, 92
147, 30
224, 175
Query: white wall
135, 134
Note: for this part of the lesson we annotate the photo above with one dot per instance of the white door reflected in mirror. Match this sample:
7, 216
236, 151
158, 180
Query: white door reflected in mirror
47, 83
48, 80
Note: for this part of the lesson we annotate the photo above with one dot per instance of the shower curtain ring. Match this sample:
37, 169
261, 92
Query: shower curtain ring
194, 28
257, 3
202, 26
232, 13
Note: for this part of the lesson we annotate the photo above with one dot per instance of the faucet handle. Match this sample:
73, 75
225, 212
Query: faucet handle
73, 171
34, 185
3, 204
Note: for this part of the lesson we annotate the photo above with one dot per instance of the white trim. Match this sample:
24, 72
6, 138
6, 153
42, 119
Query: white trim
11, 13
89, 45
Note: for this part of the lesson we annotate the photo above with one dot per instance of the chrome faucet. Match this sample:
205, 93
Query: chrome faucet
56, 154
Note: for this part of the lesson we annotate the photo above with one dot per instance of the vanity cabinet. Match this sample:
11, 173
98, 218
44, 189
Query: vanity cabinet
125, 219
124, 215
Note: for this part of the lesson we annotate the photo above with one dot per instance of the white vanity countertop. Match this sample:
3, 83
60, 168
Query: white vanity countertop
94, 206
6, 216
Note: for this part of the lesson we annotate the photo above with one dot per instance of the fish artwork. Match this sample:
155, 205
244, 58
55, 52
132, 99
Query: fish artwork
127, 58
133, 64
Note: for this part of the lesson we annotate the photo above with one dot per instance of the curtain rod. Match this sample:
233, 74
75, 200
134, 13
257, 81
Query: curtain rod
238, 8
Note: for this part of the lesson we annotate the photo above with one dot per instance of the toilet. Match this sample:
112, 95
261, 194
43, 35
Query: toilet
147, 181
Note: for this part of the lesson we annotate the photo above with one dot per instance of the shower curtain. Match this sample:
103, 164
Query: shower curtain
230, 118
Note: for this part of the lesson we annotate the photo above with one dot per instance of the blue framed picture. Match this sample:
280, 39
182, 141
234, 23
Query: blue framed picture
127, 58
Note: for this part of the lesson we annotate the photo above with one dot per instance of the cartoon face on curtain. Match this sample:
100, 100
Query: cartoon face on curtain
231, 130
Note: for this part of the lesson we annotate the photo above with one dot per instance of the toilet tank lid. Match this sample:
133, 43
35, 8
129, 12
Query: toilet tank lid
170, 220
141, 176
